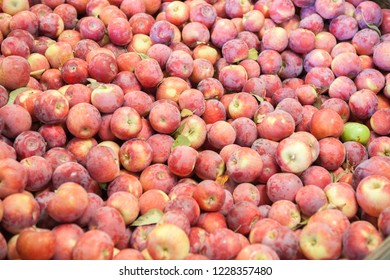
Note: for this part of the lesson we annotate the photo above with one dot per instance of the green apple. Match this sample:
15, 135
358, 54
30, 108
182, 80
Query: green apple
354, 131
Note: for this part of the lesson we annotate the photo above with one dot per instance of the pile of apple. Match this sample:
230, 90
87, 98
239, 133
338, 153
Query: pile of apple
197, 129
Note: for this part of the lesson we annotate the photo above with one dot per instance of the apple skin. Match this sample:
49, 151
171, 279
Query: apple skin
135, 155
360, 239
283, 186
167, 242
110, 220
373, 194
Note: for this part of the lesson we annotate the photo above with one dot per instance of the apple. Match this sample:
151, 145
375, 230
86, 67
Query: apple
383, 222
181, 160
126, 203
246, 192
135, 155
185, 204
333, 218
110, 220
257, 252
311, 199
244, 158
13, 176
286, 213
102, 246
167, 241
62, 207
102, 158
39, 172
209, 195
372, 194
283, 186
293, 155
36, 244
342, 196
152, 199
66, 237
222, 244
360, 239
318, 241
17, 217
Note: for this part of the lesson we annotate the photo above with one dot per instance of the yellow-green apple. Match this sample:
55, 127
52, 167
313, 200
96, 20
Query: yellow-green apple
12, 7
